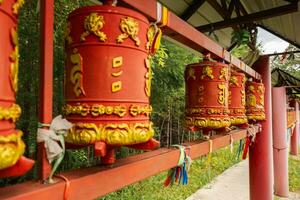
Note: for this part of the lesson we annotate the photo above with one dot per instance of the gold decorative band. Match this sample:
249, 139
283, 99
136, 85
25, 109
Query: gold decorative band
98, 110
12, 113
113, 134
237, 111
256, 117
11, 149
238, 120
208, 111
202, 122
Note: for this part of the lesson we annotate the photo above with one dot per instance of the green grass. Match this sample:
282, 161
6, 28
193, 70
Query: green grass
199, 175
294, 174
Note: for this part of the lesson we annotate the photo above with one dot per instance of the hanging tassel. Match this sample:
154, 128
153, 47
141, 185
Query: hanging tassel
179, 174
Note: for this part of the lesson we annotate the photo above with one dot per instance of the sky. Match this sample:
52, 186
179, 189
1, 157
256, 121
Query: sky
270, 42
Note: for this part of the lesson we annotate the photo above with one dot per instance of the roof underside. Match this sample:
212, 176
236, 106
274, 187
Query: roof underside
287, 26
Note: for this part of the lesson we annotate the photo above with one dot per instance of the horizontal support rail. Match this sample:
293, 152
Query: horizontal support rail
93, 182
181, 31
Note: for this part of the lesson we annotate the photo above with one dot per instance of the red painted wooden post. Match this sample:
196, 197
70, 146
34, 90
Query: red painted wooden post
260, 154
46, 77
296, 133
280, 145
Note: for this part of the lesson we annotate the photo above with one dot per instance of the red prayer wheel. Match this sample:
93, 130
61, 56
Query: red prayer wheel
255, 93
207, 95
12, 163
237, 99
108, 77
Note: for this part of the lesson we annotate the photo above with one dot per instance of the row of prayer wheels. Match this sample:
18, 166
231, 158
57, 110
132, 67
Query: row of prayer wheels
216, 98
108, 85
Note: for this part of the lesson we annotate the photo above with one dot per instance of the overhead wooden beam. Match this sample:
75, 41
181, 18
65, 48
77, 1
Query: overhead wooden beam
218, 8
231, 7
99, 181
282, 53
241, 7
192, 9
273, 12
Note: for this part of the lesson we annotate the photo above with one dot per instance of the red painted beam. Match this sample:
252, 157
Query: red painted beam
184, 33
46, 77
99, 181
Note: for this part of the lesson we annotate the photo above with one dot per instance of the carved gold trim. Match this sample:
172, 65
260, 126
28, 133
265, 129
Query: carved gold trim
76, 73
233, 81
14, 57
95, 110
207, 71
12, 113
214, 123
11, 149
251, 100
191, 74
238, 120
243, 99
140, 110
256, 117
148, 77
68, 38
112, 134
92, 25
17, 5
207, 111
150, 36
224, 73
222, 93
130, 28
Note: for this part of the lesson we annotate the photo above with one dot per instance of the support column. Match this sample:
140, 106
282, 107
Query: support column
280, 144
46, 78
296, 133
260, 153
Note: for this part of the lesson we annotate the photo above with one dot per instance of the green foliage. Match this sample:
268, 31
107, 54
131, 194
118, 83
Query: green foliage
294, 174
289, 63
240, 37
200, 174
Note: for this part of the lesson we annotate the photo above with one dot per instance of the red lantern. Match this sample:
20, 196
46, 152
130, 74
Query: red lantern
12, 163
207, 95
108, 79
237, 99
255, 101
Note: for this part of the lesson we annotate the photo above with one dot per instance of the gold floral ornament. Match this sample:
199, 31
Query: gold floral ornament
233, 81
93, 24
14, 57
224, 73
202, 122
95, 110
112, 134
148, 77
251, 100
76, 73
251, 89
222, 94
11, 149
140, 110
17, 5
68, 38
207, 71
12, 113
154, 35
200, 93
243, 99
130, 28
191, 74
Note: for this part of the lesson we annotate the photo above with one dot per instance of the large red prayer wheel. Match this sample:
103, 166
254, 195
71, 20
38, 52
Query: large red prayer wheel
237, 99
108, 76
255, 101
207, 95
12, 163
